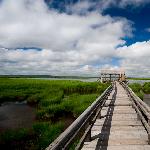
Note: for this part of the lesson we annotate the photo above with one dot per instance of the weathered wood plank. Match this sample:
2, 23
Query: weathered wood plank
121, 147
116, 142
119, 128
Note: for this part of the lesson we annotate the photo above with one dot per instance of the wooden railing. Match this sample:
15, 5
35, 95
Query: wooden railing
142, 109
81, 127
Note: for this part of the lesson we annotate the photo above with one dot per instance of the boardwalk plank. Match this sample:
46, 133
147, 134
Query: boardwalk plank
119, 128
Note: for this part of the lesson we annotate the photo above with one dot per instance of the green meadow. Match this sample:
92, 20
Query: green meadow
57, 103
140, 89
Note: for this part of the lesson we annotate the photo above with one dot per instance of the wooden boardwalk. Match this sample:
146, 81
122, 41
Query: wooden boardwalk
117, 120
118, 127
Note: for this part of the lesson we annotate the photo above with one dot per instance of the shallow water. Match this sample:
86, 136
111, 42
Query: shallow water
80, 79
15, 115
139, 81
90, 80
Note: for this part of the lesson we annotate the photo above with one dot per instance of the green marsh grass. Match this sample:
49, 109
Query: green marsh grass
45, 133
140, 89
53, 99
146, 88
137, 88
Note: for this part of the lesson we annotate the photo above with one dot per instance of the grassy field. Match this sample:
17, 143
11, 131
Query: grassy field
140, 89
57, 104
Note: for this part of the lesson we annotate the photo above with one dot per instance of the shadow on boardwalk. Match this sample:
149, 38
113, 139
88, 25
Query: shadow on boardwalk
105, 131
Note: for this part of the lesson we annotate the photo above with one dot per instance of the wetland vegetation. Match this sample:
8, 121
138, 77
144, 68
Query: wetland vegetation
56, 105
140, 89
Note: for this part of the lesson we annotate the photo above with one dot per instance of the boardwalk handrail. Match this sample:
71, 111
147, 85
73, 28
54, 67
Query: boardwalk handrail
142, 109
86, 118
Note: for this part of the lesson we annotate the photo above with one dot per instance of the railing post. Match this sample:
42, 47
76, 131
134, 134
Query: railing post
89, 125
88, 137
149, 139
99, 115
148, 121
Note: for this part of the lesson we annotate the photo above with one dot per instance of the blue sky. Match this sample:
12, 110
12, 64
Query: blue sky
139, 16
74, 37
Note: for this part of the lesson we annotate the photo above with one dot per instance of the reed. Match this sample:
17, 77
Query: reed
54, 100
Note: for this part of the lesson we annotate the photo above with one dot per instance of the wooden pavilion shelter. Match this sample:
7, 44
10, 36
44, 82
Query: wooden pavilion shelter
109, 75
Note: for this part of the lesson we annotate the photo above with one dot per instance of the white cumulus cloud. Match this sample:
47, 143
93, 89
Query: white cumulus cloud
70, 43
104, 4
136, 58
